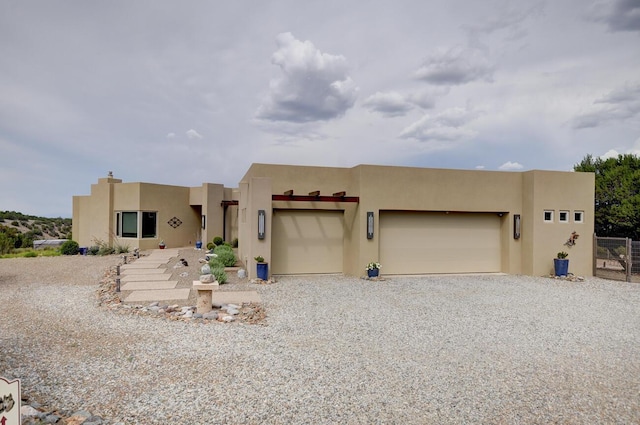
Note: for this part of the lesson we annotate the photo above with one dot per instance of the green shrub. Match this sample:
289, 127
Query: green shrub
30, 254
215, 263
106, 250
210, 246
223, 247
225, 255
93, 250
220, 274
234, 243
218, 240
69, 248
121, 249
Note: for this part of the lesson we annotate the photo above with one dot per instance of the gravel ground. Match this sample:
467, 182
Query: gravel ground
408, 350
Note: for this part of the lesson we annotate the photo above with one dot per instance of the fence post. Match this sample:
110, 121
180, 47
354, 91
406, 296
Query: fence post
629, 259
595, 255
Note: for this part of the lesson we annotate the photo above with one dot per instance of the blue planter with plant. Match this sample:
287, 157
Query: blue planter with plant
561, 264
373, 269
262, 268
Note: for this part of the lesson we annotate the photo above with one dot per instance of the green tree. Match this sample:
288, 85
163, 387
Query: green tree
617, 194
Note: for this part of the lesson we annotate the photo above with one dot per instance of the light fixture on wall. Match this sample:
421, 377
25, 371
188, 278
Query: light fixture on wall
369, 224
261, 224
204, 221
516, 226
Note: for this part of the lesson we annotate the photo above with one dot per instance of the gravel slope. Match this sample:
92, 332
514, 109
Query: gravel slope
410, 350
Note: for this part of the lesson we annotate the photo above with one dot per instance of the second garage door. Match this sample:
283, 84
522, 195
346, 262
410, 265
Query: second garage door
306, 241
434, 242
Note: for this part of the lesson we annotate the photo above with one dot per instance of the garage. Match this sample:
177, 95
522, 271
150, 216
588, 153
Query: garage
439, 242
307, 241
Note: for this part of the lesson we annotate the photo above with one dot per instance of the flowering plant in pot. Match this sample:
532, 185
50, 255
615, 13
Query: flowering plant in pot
373, 269
161, 245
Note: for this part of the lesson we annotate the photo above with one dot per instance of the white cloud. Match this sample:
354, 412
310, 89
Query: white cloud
445, 126
480, 167
390, 104
455, 66
510, 166
171, 135
192, 134
314, 86
611, 153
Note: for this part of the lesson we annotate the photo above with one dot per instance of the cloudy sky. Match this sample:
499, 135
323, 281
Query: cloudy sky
195, 91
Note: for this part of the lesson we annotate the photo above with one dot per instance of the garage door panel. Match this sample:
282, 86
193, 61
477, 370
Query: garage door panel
423, 242
307, 241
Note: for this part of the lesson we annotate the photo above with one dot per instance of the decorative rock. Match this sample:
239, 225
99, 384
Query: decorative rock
228, 319
197, 316
28, 411
212, 315
189, 313
232, 311
242, 273
207, 278
154, 304
94, 420
205, 269
52, 419
235, 306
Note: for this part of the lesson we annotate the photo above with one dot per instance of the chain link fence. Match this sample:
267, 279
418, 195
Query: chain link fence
617, 259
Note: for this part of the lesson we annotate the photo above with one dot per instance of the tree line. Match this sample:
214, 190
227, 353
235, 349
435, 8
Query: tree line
617, 194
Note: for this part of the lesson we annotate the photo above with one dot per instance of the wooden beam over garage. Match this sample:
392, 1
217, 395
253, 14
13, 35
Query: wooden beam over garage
319, 198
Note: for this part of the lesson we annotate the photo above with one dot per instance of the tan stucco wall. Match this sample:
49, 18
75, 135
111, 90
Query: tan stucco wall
383, 188
94, 215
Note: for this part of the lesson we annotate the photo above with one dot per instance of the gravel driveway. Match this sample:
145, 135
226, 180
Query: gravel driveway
408, 350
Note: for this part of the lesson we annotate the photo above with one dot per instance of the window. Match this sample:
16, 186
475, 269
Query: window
563, 217
548, 216
149, 224
578, 216
128, 225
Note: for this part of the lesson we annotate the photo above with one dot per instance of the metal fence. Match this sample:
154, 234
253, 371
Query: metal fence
616, 258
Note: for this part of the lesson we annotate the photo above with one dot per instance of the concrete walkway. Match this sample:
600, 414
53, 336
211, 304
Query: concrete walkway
148, 280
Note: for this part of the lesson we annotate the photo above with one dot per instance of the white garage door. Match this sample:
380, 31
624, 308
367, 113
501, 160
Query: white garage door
430, 242
307, 241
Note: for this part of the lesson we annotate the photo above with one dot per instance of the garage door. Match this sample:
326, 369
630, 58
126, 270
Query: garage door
307, 241
423, 242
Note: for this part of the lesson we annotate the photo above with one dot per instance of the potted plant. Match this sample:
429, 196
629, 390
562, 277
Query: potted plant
561, 264
198, 241
161, 245
373, 269
262, 268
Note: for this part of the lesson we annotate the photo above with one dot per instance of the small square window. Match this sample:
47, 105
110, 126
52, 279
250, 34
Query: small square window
578, 216
548, 216
563, 216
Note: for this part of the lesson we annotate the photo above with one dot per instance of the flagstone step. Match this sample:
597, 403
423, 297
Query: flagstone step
143, 286
135, 272
145, 277
158, 295
137, 265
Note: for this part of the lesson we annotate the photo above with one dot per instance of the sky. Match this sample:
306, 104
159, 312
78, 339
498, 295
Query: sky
196, 91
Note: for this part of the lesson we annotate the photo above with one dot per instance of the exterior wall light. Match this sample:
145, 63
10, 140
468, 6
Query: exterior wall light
204, 221
369, 224
516, 226
261, 224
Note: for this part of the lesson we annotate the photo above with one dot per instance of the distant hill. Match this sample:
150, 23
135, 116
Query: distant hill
23, 229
